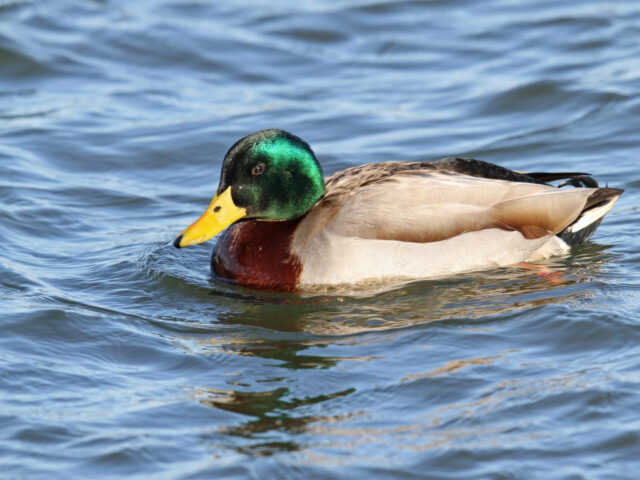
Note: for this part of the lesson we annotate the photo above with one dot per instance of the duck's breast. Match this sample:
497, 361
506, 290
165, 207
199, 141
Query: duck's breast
257, 254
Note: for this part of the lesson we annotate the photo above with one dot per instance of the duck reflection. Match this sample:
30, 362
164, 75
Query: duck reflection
298, 333
286, 353
270, 412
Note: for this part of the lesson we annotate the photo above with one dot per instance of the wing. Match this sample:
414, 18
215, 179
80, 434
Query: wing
430, 206
365, 174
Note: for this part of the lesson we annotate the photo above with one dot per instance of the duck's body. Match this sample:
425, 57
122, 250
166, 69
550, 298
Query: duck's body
407, 221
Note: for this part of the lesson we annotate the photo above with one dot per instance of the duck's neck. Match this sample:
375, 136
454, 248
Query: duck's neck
257, 254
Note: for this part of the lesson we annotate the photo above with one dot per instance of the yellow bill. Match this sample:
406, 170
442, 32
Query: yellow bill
220, 213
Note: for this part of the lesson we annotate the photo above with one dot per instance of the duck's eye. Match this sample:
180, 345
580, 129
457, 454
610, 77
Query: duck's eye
258, 169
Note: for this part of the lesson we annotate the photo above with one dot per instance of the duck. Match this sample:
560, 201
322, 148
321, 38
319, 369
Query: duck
288, 228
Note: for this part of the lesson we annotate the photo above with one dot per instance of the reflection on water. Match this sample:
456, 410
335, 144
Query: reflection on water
286, 353
451, 367
270, 410
275, 414
277, 419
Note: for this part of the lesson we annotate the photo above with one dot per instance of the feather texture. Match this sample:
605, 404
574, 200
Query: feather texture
417, 220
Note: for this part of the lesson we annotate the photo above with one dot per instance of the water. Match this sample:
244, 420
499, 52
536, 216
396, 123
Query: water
120, 357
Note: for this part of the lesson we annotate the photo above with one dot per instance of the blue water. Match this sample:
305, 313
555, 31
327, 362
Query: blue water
121, 357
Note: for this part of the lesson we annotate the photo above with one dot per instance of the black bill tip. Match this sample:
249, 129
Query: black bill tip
176, 242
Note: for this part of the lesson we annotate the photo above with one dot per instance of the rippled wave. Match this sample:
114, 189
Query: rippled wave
122, 356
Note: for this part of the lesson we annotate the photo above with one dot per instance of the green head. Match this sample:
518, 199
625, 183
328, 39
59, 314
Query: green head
273, 175
269, 175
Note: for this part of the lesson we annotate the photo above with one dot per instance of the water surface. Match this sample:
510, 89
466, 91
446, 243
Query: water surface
121, 357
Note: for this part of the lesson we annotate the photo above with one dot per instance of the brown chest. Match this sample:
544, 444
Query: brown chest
257, 254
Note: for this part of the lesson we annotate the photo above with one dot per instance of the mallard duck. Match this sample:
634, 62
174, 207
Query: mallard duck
290, 228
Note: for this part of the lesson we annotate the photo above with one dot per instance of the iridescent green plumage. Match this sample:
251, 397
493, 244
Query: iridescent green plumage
290, 184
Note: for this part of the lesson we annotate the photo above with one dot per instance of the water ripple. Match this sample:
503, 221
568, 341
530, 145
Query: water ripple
122, 356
